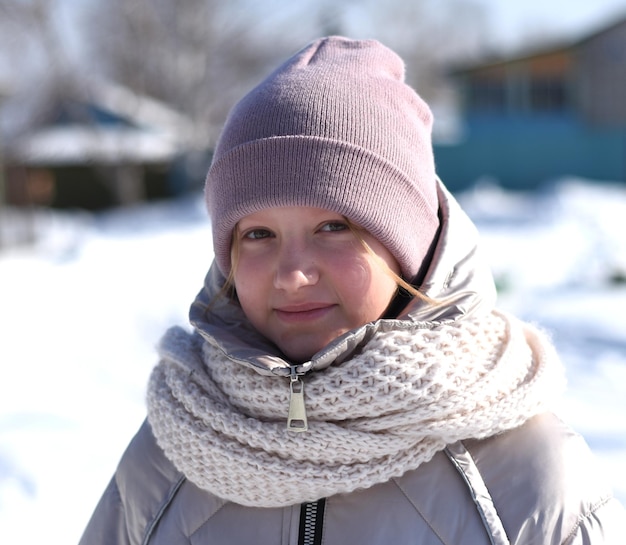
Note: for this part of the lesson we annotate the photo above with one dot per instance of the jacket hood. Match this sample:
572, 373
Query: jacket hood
458, 280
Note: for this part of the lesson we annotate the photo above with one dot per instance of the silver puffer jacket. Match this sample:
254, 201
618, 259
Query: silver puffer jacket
537, 484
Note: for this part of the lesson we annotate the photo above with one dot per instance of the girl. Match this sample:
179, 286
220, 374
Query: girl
348, 379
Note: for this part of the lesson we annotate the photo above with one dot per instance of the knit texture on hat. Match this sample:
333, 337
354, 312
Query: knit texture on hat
385, 411
334, 127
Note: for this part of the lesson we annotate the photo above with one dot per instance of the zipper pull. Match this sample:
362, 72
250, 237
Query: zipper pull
296, 421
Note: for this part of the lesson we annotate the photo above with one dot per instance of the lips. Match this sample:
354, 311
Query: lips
303, 312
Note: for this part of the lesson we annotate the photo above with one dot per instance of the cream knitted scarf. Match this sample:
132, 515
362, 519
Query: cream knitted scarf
402, 398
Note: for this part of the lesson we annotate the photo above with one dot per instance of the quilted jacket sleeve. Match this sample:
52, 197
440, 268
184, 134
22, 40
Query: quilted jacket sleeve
108, 523
144, 485
605, 525
548, 487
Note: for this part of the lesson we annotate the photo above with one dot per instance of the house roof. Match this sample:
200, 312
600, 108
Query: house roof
75, 145
95, 121
142, 110
535, 51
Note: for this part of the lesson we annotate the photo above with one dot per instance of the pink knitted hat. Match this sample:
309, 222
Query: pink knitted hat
334, 127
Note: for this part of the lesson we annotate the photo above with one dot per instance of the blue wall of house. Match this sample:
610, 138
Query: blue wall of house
526, 152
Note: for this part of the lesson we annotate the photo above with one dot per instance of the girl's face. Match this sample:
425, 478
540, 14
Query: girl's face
303, 277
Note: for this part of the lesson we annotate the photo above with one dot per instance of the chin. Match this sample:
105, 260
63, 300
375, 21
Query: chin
300, 351
298, 357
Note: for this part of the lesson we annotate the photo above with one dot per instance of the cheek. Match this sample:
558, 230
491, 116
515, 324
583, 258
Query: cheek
364, 284
353, 270
248, 281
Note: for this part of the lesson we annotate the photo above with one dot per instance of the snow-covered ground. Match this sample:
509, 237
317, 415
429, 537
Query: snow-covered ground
81, 311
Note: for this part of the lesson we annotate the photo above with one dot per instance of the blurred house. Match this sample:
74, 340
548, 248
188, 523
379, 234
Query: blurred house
544, 114
92, 146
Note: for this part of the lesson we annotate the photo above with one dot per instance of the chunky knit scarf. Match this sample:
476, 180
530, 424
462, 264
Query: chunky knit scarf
390, 408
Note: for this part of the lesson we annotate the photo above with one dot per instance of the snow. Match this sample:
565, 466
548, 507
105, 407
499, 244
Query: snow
83, 307
76, 144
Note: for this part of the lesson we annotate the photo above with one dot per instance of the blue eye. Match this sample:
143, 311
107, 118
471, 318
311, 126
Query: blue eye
257, 234
333, 226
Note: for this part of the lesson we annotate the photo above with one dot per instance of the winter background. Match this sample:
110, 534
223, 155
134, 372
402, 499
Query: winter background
82, 310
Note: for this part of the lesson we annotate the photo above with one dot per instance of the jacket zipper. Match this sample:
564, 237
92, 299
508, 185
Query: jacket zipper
296, 419
311, 522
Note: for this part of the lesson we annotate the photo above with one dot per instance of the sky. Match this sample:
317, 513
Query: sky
513, 24
512, 20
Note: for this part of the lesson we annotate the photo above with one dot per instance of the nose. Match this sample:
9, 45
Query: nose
296, 268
